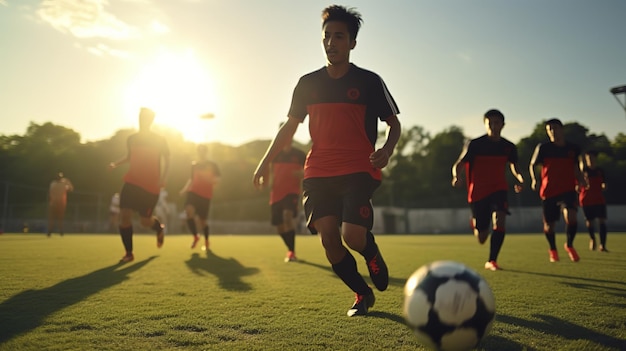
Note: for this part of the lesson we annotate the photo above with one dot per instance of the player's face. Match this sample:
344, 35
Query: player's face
555, 132
494, 127
337, 42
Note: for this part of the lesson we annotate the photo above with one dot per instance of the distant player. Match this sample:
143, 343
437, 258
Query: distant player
287, 170
485, 161
114, 212
592, 199
57, 202
149, 161
199, 190
162, 209
559, 173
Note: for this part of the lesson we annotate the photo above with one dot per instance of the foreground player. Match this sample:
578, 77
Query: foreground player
199, 189
342, 170
592, 199
143, 181
485, 160
559, 172
57, 197
286, 181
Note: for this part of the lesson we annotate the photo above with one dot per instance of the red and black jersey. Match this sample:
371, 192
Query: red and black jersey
343, 114
145, 150
286, 174
558, 168
592, 195
485, 165
203, 176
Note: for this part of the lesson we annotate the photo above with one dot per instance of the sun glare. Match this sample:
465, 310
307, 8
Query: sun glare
179, 90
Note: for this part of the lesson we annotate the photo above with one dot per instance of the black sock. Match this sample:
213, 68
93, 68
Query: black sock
289, 238
602, 232
497, 239
191, 224
205, 230
346, 270
127, 238
551, 240
371, 249
157, 226
571, 233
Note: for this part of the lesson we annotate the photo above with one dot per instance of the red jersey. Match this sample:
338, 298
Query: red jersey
145, 151
203, 175
485, 165
285, 178
593, 195
343, 114
558, 174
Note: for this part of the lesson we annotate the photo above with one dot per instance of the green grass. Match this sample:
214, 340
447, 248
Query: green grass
69, 293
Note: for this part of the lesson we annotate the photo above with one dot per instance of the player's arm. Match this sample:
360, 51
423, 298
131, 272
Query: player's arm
531, 168
380, 157
518, 175
123, 160
580, 176
166, 168
68, 185
284, 136
185, 187
458, 166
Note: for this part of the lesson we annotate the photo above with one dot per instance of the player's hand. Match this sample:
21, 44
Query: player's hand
379, 158
456, 182
518, 188
533, 185
112, 165
260, 177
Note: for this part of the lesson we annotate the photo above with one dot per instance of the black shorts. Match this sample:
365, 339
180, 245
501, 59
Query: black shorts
287, 203
347, 197
595, 211
138, 199
553, 206
482, 209
202, 205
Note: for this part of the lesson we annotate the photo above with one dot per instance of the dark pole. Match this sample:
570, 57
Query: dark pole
617, 91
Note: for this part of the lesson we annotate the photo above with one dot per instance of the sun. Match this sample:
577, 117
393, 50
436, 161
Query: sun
179, 90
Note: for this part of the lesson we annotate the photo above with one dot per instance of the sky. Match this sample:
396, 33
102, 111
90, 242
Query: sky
89, 65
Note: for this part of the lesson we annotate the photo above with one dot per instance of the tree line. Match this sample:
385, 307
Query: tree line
418, 175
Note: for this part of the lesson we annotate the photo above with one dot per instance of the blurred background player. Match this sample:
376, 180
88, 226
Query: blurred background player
199, 190
592, 199
162, 209
57, 202
142, 183
485, 159
287, 170
559, 172
114, 212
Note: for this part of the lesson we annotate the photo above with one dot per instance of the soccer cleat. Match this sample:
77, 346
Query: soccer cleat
378, 272
196, 238
602, 248
492, 266
362, 304
554, 256
592, 244
160, 237
129, 257
291, 257
571, 251
206, 246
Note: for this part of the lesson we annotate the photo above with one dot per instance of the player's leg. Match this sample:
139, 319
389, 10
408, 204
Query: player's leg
145, 204
550, 216
481, 218
287, 228
61, 218
50, 219
570, 214
277, 219
500, 206
202, 206
602, 227
126, 233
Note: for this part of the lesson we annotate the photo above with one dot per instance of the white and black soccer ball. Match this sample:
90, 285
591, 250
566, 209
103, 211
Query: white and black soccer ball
448, 306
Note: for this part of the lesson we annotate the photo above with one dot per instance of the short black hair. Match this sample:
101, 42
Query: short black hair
554, 121
494, 113
349, 16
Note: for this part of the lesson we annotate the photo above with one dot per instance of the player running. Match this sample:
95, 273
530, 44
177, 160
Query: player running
143, 181
559, 172
343, 169
199, 190
485, 159
592, 199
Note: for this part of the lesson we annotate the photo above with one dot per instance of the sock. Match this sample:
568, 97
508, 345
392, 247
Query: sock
127, 238
157, 226
346, 270
289, 238
205, 230
551, 240
497, 239
602, 232
571, 233
191, 224
592, 232
371, 249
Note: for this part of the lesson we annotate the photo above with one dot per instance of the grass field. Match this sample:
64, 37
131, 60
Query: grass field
69, 293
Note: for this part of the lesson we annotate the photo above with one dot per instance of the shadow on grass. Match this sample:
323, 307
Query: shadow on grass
26, 310
603, 281
228, 270
392, 281
564, 329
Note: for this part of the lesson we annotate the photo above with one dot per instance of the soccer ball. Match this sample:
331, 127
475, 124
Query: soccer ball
448, 306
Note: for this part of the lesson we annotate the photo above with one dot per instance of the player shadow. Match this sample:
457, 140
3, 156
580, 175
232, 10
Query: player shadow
228, 270
392, 281
27, 310
604, 281
564, 329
